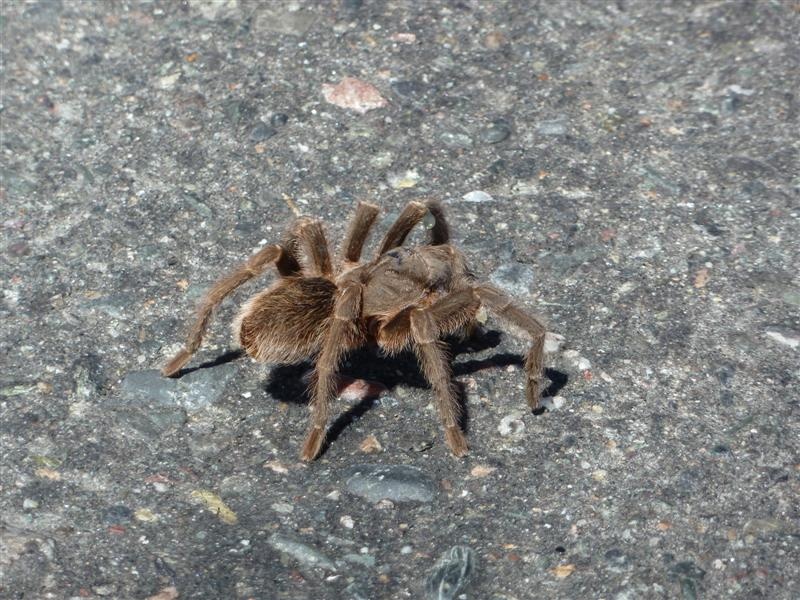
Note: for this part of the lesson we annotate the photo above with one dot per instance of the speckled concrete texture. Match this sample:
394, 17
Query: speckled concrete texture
627, 169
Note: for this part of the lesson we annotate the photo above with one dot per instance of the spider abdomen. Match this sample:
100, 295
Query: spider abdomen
287, 322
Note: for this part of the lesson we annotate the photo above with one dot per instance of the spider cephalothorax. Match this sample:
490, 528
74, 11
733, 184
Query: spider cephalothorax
404, 298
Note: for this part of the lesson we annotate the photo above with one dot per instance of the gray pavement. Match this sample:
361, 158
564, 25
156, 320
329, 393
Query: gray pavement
626, 169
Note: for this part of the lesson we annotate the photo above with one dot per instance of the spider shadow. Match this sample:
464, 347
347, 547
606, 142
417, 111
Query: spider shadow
222, 359
289, 382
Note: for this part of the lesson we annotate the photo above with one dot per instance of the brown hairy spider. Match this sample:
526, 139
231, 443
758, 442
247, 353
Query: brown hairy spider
404, 297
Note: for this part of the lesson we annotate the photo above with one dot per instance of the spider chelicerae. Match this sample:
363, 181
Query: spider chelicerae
405, 297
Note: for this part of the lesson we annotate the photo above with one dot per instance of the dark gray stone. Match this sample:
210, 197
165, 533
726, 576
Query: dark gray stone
398, 483
497, 132
262, 132
306, 555
278, 120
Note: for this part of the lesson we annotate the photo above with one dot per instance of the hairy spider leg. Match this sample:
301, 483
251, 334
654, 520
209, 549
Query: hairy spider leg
283, 255
360, 226
411, 216
343, 334
504, 307
423, 328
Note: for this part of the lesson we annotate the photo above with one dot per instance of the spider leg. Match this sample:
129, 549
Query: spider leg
279, 254
436, 367
412, 214
311, 235
284, 255
343, 333
360, 224
423, 328
504, 308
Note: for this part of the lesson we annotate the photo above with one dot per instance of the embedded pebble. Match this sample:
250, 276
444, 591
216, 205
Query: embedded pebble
511, 425
477, 196
576, 360
262, 132
554, 127
278, 120
398, 483
790, 340
282, 507
553, 342
193, 391
354, 94
302, 553
451, 574
552, 402
495, 133
402, 181
454, 139
366, 560
515, 278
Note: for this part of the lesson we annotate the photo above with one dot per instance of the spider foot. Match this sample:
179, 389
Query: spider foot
313, 444
533, 393
456, 441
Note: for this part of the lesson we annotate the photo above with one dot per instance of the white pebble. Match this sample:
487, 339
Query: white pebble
511, 425
477, 196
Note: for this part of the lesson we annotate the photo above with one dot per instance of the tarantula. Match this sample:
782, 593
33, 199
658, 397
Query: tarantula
404, 297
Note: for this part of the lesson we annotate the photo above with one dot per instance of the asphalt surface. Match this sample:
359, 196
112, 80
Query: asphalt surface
628, 170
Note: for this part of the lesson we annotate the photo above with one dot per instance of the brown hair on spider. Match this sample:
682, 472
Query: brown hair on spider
405, 297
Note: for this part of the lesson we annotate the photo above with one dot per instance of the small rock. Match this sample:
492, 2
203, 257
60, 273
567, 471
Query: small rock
216, 10
477, 196
482, 471
168, 81
563, 571
282, 507
354, 390
553, 402
370, 445
576, 360
511, 425
167, 593
553, 342
354, 94
398, 483
302, 553
451, 574
455, 139
366, 560
554, 127
402, 181
278, 120
495, 133
104, 590
30, 504
403, 38
787, 339
515, 278
347, 521
276, 466
262, 132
